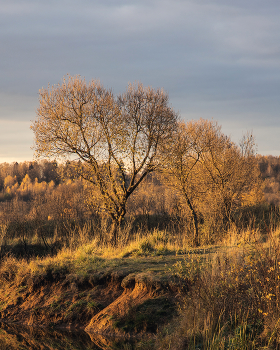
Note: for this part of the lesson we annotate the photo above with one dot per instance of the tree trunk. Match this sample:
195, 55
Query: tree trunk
114, 233
196, 242
227, 210
116, 226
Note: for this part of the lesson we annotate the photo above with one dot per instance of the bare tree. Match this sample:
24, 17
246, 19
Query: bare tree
117, 139
232, 172
184, 167
211, 172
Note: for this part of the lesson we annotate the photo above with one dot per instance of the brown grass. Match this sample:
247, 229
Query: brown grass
233, 299
233, 302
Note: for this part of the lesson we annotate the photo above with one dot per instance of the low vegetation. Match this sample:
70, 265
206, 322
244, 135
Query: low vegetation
233, 300
226, 295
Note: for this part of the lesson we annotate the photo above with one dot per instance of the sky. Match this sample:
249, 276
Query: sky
217, 59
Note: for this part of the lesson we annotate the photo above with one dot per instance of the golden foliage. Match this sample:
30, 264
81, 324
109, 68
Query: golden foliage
213, 175
110, 135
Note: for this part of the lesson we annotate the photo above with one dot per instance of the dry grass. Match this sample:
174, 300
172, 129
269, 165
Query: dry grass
85, 255
233, 301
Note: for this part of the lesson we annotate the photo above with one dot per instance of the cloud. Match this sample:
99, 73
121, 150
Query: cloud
214, 57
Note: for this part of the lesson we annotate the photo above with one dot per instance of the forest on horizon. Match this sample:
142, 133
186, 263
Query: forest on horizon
49, 191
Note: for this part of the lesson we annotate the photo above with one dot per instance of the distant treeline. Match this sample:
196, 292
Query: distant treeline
13, 175
42, 171
48, 191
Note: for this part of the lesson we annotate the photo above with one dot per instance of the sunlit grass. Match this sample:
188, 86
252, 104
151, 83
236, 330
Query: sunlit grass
234, 298
84, 253
233, 295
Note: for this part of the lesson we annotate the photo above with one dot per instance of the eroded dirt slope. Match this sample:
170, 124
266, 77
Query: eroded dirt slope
113, 303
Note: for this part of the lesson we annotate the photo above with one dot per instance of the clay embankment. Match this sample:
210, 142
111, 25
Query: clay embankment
111, 303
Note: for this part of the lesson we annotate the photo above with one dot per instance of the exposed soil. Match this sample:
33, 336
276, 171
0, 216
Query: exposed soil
124, 312
114, 303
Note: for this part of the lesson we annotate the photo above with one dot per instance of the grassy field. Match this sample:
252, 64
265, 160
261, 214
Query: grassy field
226, 296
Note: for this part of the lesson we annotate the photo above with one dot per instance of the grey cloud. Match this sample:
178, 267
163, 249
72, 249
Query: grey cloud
215, 57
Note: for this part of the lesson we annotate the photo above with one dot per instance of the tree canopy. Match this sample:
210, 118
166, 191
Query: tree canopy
117, 138
213, 174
